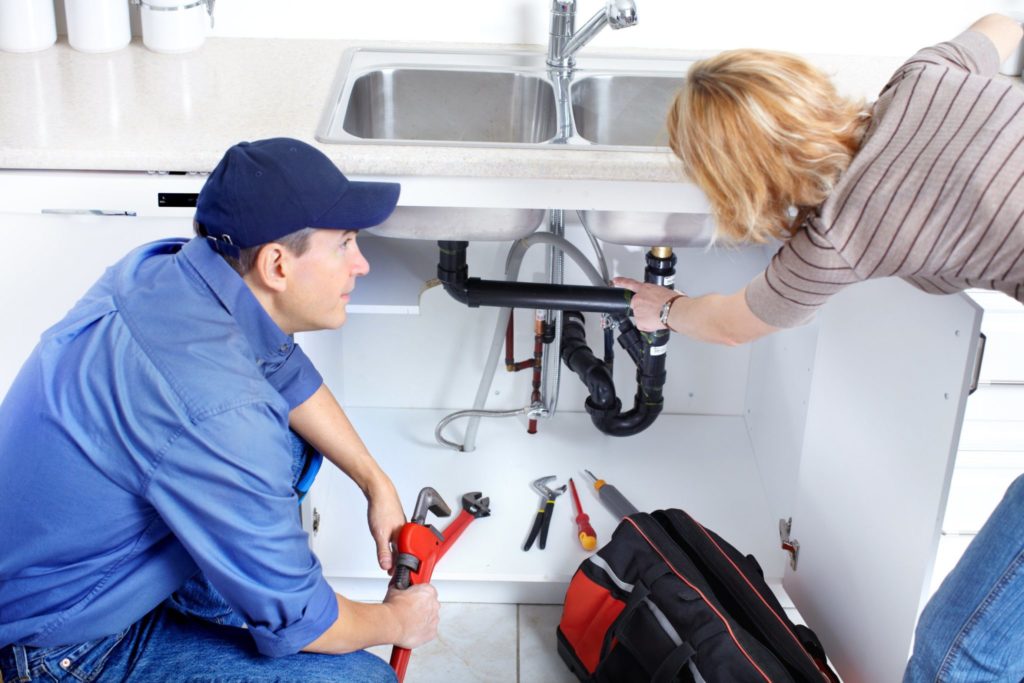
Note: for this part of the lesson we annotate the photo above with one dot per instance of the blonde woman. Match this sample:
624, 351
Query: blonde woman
925, 184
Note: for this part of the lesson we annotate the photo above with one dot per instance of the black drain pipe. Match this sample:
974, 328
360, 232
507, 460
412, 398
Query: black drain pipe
453, 273
646, 349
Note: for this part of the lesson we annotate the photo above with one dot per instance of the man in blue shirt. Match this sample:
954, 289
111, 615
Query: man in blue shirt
145, 447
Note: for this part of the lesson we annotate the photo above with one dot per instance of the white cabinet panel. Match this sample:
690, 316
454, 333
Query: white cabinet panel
51, 262
887, 398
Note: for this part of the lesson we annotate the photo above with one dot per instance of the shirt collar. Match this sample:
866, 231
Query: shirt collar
268, 341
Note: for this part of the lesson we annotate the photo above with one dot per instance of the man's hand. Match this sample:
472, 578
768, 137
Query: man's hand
646, 302
417, 613
407, 618
386, 518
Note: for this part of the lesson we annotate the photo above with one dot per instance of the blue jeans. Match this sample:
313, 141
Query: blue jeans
167, 645
972, 629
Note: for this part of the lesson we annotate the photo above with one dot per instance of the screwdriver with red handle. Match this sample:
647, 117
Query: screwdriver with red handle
588, 538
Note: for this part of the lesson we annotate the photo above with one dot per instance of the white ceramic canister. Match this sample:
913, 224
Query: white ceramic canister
27, 25
98, 25
175, 25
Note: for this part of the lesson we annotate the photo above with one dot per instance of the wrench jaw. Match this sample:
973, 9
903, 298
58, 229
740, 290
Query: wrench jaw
476, 505
429, 500
418, 541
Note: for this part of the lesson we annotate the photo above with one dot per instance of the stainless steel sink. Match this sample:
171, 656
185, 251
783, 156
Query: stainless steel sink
452, 106
507, 99
497, 98
623, 110
650, 228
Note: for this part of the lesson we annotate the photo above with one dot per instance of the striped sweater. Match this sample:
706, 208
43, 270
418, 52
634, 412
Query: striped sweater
934, 195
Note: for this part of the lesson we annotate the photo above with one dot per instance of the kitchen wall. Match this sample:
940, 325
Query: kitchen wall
878, 27
869, 27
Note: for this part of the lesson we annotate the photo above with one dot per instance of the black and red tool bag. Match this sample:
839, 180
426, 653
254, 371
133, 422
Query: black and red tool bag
669, 600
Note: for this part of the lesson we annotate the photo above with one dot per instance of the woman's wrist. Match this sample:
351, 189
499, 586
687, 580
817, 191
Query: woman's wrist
665, 315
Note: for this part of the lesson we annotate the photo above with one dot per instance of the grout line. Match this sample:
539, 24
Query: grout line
518, 638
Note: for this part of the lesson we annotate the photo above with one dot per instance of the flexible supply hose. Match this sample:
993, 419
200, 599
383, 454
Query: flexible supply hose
471, 413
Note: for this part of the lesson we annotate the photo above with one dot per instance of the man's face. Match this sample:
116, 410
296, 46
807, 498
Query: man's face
322, 279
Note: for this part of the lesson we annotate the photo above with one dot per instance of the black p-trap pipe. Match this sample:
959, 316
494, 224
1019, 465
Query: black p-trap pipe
453, 273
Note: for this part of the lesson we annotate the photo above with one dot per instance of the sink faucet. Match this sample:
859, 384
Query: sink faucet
565, 41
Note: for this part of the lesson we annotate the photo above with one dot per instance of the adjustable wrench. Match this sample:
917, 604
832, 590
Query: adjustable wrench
420, 546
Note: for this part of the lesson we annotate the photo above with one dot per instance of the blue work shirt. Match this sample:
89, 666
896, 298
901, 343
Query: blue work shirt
146, 439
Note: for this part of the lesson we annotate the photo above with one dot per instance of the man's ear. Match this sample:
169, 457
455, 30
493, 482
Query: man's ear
272, 266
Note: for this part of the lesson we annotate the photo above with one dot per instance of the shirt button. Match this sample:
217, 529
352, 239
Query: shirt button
284, 347
65, 663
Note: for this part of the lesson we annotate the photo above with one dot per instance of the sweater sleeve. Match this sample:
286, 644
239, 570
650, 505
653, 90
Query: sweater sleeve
971, 51
801, 277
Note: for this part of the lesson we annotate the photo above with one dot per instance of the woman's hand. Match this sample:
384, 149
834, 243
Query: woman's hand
646, 302
386, 518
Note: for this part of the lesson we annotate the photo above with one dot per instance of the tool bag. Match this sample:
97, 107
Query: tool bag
669, 600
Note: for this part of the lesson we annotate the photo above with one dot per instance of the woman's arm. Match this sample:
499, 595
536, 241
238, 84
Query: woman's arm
322, 422
1003, 31
715, 318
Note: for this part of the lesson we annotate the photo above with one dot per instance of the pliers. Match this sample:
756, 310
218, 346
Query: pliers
543, 519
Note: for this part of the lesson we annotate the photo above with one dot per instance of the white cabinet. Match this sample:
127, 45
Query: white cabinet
847, 425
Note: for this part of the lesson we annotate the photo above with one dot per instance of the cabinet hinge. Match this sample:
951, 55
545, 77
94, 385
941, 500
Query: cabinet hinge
316, 521
790, 545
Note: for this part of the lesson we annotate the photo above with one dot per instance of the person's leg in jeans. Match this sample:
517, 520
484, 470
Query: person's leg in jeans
972, 629
167, 645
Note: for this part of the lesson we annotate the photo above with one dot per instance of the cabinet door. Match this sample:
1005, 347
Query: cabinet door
891, 374
51, 261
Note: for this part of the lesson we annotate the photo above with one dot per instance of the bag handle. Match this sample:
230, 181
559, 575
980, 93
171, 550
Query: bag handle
673, 664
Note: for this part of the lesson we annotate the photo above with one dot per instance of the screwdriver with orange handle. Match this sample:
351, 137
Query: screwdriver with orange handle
588, 538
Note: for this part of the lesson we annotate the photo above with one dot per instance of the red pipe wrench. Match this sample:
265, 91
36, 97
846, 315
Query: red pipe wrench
420, 546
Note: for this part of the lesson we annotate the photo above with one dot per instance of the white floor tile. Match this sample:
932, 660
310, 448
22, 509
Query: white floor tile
973, 494
951, 547
538, 646
476, 643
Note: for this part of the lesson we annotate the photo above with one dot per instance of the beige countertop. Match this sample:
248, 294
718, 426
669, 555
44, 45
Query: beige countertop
135, 110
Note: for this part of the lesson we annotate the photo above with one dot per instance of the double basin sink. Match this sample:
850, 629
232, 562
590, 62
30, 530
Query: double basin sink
510, 99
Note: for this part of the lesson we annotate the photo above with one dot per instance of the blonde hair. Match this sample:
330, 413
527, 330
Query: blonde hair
763, 134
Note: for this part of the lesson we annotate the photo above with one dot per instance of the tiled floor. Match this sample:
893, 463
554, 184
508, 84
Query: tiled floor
490, 644
516, 643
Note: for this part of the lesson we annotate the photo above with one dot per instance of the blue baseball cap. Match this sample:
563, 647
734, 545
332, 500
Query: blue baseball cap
263, 190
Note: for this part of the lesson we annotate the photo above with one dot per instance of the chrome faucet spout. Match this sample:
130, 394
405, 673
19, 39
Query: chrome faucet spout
565, 41
621, 13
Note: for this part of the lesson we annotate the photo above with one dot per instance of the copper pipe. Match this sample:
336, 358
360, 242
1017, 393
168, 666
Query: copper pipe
538, 354
510, 363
